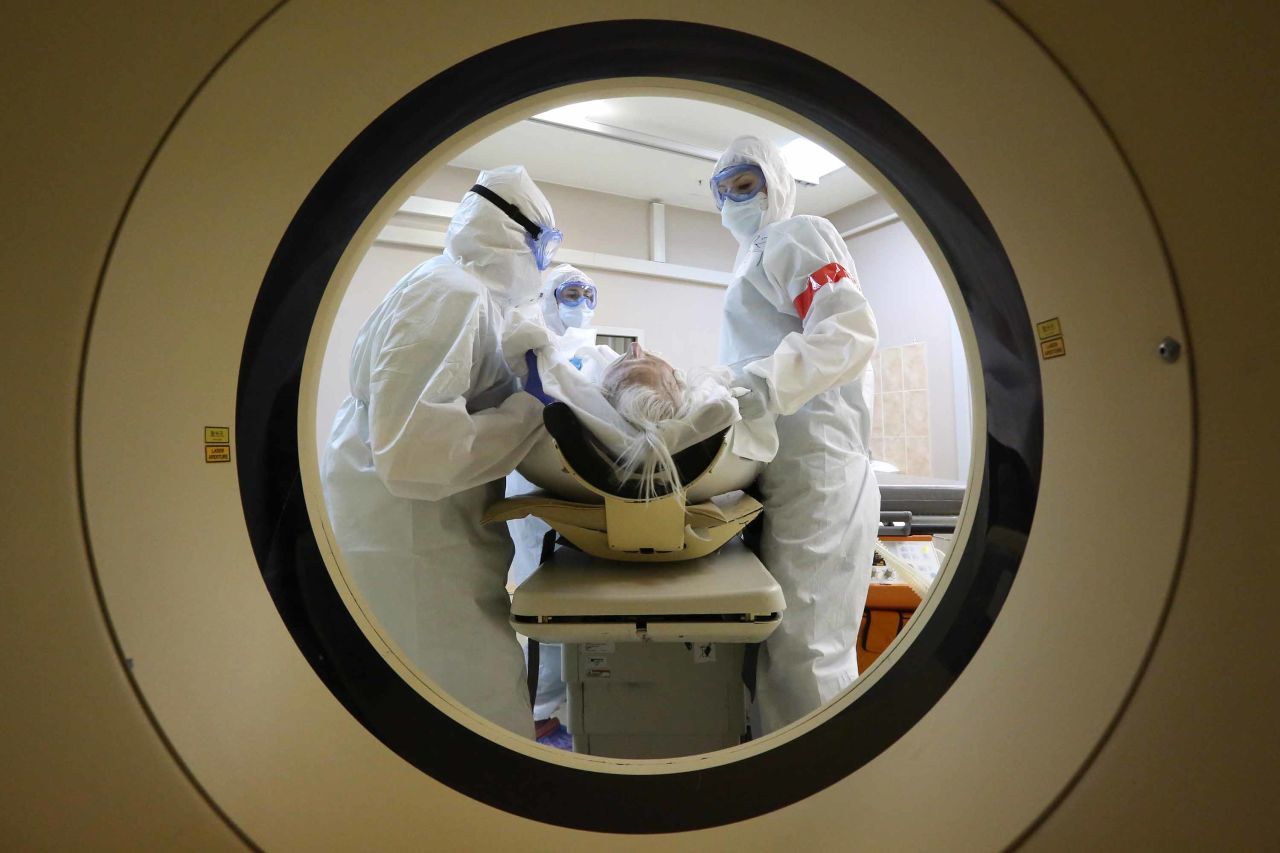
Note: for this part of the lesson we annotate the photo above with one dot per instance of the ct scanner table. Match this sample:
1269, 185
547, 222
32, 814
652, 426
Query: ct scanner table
634, 700
652, 600
726, 597
652, 651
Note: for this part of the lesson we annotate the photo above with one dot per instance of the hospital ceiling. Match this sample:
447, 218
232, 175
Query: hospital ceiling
603, 162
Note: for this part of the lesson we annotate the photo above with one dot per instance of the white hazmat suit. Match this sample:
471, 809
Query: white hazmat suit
528, 533
799, 334
566, 341
420, 449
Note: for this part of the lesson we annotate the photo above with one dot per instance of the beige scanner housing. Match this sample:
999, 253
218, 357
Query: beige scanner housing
172, 707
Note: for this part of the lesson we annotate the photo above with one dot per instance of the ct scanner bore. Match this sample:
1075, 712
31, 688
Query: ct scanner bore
246, 716
276, 509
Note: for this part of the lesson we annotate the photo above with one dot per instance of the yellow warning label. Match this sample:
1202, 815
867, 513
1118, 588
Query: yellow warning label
217, 435
217, 453
1049, 329
1053, 348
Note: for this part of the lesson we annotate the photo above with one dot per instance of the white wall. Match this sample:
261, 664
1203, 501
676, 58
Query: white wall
911, 306
698, 239
599, 222
681, 320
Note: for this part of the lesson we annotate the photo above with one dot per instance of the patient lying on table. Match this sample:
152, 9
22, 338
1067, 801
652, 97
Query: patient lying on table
639, 408
646, 391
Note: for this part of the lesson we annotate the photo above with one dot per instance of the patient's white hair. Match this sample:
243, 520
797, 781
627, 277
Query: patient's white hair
645, 398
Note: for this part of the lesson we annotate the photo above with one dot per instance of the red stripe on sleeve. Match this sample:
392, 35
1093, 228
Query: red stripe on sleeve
829, 274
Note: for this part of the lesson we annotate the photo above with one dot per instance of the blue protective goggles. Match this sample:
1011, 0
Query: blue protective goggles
574, 293
737, 183
541, 240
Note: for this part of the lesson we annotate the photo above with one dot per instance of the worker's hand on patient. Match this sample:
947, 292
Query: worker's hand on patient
751, 403
750, 392
533, 384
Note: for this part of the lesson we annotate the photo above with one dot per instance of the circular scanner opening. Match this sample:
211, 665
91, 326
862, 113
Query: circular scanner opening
1002, 494
628, 177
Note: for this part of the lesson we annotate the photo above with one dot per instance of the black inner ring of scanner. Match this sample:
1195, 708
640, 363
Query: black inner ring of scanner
294, 563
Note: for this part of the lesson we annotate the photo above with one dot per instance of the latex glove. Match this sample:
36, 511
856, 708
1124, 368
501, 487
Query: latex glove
533, 384
523, 330
752, 394
751, 403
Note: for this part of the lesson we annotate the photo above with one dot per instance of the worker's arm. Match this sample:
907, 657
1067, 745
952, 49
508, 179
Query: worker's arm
809, 268
425, 443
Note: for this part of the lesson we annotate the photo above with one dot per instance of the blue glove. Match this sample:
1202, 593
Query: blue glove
533, 384
576, 362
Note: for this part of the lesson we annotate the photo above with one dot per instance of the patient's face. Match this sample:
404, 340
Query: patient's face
638, 369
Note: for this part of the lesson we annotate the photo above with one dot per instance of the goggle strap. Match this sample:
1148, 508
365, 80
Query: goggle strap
509, 209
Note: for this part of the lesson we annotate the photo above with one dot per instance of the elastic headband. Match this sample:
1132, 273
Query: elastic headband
509, 209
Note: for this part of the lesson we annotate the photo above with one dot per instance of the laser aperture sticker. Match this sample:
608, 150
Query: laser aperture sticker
217, 444
1052, 343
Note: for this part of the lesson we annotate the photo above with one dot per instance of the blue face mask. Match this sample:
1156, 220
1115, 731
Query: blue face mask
743, 218
543, 245
575, 316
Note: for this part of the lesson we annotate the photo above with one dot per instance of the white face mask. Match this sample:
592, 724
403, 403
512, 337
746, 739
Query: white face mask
743, 218
575, 317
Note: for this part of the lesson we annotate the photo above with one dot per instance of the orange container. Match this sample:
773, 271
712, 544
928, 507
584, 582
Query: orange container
889, 606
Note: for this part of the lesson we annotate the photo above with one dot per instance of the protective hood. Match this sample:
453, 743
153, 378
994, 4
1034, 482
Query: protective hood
780, 185
490, 245
558, 276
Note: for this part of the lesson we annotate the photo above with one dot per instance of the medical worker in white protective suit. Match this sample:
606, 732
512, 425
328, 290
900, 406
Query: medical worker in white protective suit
421, 447
798, 335
567, 302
